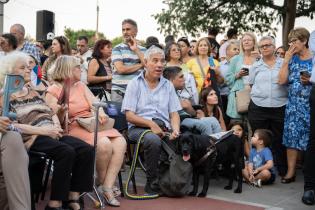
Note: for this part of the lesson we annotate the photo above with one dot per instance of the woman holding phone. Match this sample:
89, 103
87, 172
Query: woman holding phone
237, 76
295, 72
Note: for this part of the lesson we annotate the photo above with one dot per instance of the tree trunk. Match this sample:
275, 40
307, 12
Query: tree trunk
288, 20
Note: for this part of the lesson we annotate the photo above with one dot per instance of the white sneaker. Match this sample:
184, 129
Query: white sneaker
257, 183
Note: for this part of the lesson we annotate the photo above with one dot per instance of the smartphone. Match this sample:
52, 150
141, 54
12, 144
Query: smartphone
305, 73
246, 70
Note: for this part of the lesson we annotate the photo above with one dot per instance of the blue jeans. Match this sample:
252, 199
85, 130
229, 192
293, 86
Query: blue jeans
205, 125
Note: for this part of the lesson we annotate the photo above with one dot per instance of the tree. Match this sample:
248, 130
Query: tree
117, 40
73, 35
191, 16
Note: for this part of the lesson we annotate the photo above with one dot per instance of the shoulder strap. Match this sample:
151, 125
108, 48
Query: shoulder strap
200, 66
168, 150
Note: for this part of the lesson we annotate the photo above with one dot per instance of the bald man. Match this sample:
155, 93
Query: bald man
18, 31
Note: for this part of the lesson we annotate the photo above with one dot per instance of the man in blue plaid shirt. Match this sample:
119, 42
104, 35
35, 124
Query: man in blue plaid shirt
23, 45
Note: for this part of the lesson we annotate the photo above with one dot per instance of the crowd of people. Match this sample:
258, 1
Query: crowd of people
193, 83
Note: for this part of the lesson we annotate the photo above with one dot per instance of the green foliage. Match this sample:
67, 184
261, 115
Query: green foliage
117, 40
72, 35
194, 16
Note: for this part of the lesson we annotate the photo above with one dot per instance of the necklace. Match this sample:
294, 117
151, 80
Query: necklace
104, 61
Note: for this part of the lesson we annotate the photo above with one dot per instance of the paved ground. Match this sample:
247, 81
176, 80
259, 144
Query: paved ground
273, 197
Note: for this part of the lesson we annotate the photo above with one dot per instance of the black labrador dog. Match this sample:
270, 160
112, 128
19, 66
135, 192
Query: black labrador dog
228, 152
201, 152
231, 155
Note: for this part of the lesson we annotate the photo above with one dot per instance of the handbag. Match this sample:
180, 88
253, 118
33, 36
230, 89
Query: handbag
88, 123
175, 174
242, 100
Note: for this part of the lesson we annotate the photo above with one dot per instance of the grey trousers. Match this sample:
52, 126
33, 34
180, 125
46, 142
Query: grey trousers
14, 166
152, 150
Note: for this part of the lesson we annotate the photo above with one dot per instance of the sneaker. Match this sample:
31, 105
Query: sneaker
257, 183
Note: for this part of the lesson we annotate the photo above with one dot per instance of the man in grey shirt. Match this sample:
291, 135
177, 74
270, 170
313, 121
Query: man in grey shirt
149, 96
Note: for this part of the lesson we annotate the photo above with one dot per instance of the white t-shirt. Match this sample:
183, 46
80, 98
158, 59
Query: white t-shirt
84, 66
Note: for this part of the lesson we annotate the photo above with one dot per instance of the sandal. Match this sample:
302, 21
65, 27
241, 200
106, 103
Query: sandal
74, 201
116, 191
111, 200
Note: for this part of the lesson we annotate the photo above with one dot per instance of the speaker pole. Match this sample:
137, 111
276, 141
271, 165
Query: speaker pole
97, 14
2, 2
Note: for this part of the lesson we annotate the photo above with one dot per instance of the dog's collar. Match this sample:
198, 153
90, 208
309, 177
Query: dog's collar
201, 160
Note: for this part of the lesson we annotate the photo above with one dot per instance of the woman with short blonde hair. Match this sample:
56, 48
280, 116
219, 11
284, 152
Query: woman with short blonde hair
111, 146
63, 67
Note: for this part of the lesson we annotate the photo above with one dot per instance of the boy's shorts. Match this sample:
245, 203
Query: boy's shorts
270, 180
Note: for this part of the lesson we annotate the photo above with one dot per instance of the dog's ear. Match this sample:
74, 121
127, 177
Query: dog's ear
183, 129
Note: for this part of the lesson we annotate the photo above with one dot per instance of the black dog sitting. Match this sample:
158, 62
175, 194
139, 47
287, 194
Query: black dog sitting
231, 155
202, 154
229, 152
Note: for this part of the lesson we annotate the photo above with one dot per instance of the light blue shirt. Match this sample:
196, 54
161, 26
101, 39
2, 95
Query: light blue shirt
148, 103
312, 48
266, 92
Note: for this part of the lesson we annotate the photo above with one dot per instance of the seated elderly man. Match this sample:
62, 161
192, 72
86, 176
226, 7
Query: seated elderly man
149, 96
205, 125
14, 180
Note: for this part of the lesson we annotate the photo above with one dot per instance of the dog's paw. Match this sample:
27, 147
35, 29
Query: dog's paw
228, 187
238, 190
192, 193
201, 195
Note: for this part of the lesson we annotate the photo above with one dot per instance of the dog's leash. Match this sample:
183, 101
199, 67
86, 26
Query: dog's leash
209, 152
132, 171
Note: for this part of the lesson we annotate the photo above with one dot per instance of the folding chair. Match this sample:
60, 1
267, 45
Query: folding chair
39, 165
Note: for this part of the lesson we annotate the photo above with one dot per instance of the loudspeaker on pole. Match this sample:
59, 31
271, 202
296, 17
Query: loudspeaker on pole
45, 25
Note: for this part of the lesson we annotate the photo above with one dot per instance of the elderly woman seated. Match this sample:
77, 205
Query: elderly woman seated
111, 146
41, 132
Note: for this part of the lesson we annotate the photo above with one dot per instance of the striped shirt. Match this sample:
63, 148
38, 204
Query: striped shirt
123, 53
31, 109
148, 103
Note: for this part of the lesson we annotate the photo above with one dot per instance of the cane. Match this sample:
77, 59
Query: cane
99, 202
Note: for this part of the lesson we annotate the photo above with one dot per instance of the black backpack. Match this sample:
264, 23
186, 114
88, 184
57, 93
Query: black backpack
175, 174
